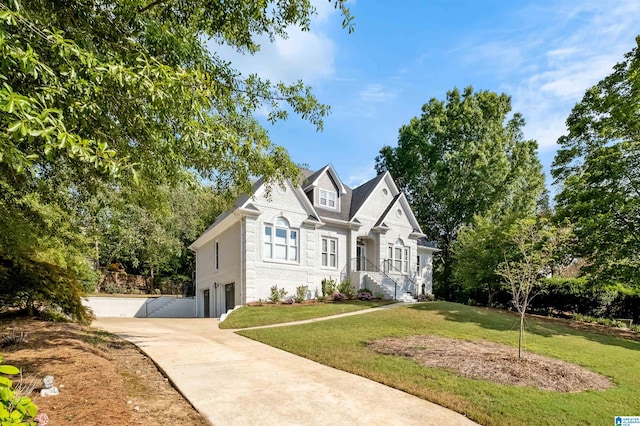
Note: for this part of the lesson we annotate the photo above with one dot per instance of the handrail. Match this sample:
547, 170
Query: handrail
388, 263
149, 301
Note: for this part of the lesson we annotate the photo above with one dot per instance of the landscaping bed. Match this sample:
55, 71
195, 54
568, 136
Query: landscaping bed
493, 362
103, 380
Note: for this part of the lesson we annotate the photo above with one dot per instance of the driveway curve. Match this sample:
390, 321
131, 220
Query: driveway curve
233, 380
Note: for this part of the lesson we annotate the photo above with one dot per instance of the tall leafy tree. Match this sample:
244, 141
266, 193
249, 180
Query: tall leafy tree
124, 92
598, 169
150, 237
462, 157
128, 86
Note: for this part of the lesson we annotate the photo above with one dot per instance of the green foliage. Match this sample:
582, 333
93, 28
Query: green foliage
14, 409
585, 297
104, 107
598, 167
301, 293
42, 261
605, 321
134, 90
463, 157
478, 250
329, 287
148, 234
346, 288
534, 244
277, 294
37, 285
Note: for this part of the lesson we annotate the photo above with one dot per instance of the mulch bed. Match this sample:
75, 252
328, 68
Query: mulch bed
493, 362
103, 380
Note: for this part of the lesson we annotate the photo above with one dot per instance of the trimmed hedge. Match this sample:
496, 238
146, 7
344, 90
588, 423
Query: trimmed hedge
580, 296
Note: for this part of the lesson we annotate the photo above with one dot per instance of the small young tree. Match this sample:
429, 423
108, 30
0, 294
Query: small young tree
535, 242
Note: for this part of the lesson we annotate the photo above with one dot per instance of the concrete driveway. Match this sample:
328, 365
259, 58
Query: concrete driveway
233, 380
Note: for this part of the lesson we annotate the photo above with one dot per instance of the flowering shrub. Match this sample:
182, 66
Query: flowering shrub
289, 300
365, 295
339, 297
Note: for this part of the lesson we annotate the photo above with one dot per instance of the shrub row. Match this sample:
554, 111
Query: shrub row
579, 296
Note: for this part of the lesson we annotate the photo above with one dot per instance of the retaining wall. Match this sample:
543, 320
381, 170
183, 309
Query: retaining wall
142, 307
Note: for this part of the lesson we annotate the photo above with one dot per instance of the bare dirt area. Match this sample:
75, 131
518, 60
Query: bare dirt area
103, 380
493, 362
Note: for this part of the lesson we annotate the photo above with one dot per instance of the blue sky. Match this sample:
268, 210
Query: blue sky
543, 54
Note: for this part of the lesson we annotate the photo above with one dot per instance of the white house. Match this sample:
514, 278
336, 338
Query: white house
298, 234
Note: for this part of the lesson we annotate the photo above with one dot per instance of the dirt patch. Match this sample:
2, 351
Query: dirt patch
103, 380
493, 362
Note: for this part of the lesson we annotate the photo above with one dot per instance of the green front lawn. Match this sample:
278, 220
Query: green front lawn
340, 343
254, 316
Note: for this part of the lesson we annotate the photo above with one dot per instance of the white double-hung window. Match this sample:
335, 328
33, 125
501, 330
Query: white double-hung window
329, 252
280, 241
328, 198
399, 257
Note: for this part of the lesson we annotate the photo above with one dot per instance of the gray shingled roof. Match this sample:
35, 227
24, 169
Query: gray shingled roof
350, 202
426, 243
311, 176
361, 193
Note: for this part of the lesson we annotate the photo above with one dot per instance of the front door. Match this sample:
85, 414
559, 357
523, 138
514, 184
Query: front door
229, 297
206, 304
361, 256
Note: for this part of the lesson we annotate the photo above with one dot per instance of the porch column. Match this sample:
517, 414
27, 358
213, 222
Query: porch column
351, 250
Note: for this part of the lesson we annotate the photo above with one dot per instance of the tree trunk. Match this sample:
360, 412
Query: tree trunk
30, 310
521, 334
97, 261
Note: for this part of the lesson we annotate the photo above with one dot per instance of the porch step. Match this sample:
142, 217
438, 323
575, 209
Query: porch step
407, 298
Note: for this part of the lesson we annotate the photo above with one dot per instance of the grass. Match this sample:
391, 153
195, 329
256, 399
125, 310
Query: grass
340, 343
253, 316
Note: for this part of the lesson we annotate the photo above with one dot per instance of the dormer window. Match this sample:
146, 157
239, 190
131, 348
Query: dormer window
328, 198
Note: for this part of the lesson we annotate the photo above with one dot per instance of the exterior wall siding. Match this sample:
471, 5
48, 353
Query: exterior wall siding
426, 269
283, 274
227, 273
325, 182
399, 226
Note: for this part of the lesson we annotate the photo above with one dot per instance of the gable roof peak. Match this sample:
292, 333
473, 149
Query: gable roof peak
312, 180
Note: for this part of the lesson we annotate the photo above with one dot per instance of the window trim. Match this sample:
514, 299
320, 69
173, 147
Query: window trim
291, 243
399, 263
327, 198
326, 252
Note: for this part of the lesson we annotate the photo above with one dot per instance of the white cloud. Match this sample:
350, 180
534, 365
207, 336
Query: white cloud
375, 93
579, 46
360, 175
306, 55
